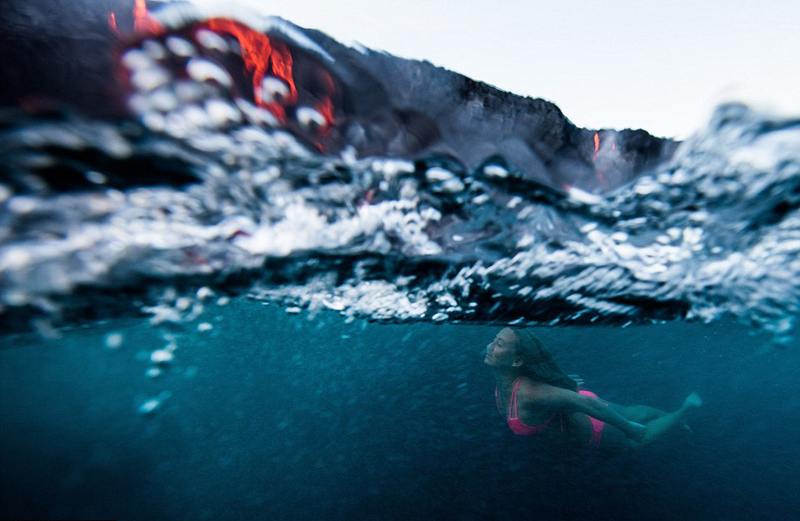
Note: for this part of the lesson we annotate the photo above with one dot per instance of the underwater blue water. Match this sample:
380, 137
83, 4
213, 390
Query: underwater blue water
270, 415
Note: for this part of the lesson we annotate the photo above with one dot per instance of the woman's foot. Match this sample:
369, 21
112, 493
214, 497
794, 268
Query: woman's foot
693, 401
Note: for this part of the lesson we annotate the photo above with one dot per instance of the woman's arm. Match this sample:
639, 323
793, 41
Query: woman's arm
556, 398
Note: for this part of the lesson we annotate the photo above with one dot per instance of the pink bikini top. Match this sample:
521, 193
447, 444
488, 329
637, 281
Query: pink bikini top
516, 425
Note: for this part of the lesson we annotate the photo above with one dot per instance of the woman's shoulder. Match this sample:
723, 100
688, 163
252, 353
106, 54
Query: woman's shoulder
529, 390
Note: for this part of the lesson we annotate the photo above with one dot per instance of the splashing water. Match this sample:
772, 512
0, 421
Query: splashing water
285, 180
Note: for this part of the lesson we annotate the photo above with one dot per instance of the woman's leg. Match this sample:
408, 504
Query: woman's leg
659, 426
638, 413
614, 441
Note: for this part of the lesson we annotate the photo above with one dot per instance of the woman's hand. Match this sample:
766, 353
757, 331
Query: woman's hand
636, 431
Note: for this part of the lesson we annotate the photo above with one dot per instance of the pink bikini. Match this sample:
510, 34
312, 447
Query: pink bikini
520, 429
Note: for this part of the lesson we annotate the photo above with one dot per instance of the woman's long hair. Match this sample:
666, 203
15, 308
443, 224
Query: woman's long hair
538, 364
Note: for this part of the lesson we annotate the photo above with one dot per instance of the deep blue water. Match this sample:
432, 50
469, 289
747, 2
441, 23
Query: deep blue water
278, 416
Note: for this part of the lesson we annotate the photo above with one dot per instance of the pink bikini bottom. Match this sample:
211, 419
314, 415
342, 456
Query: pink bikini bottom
597, 425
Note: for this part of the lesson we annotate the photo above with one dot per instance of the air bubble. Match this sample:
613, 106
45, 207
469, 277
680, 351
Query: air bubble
273, 90
153, 404
113, 340
154, 49
136, 59
437, 174
179, 46
310, 118
211, 40
495, 171
95, 177
161, 356
203, 70
154, 121
480, 199
149, 79
222, 113
163, 100
149, 406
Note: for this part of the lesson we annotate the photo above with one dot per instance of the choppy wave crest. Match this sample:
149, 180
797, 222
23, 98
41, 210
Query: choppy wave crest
230, 198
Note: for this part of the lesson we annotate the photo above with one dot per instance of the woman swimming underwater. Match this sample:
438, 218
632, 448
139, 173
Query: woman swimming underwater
537, 398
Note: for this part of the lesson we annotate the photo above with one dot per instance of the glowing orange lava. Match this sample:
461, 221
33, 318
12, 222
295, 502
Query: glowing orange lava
596, 144
325, 107
112, 22
260, 56
142, 21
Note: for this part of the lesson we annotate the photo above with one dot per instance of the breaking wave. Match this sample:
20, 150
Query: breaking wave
210, 188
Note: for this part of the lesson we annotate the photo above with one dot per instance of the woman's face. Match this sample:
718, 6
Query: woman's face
502, 352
